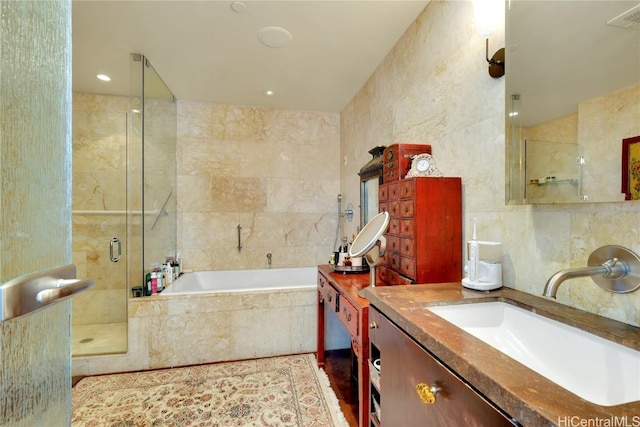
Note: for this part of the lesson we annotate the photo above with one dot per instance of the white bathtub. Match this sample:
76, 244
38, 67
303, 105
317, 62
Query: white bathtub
200, 282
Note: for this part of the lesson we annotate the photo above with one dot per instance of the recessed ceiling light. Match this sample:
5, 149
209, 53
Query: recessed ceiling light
104, 77
238, 6
268, 92
274, 37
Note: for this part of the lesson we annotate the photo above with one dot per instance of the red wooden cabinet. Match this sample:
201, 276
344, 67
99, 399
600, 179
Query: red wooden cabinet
424, 238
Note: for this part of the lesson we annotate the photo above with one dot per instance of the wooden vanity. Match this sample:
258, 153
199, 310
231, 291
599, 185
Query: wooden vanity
413, 388
473, 380
339, 293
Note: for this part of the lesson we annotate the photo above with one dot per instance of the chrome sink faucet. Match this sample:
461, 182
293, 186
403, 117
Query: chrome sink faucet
613, 268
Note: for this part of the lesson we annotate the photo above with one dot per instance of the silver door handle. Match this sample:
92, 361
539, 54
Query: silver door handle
26, 294
115, 241
62, 289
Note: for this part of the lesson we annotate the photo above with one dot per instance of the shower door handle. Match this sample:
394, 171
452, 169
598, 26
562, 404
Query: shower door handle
115, 241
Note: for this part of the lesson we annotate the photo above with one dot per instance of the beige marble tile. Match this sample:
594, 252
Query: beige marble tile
188, 339
433, 87
264, 169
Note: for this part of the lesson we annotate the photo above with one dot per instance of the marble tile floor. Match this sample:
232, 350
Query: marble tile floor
99, 338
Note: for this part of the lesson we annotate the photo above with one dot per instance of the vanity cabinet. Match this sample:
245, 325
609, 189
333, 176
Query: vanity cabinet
414, 389
424, 238
339, 293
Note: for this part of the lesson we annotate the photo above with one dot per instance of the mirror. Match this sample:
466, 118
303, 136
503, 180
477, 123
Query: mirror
370, 178
572, 95
366, 243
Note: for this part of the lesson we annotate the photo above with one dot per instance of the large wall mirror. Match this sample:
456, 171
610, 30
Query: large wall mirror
572, 95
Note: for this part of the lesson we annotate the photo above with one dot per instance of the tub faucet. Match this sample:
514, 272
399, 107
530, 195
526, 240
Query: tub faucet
269, 258
613, 268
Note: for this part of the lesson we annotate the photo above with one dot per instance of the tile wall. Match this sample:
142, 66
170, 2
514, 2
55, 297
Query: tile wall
273, 172
434, 88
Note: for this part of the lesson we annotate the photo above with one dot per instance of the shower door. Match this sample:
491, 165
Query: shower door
99, 317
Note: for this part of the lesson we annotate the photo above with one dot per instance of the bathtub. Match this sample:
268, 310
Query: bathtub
201, 282
214, 316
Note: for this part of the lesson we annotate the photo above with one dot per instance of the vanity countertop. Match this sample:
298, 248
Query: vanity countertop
527, 396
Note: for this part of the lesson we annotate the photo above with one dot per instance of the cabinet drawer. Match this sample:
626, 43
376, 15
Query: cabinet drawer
407, 368
408, 228
383, 207
407, 189
408, 267
348, 315
383, 273
394, 261
393, 244
390, 172
407, 209
394, 226
394, 278
408, 247
327, 293
394, 191
383, 193
394, 209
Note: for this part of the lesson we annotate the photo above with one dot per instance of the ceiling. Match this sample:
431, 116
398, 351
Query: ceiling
206, 51
560, 53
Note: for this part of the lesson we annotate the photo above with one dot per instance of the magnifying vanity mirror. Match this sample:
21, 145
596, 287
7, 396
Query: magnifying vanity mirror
371, 243
572, 96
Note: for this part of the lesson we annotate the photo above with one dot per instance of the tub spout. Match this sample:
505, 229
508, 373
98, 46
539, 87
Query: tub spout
613, 268
269, 256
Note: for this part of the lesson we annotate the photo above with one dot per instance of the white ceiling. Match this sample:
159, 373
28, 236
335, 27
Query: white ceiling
204, 51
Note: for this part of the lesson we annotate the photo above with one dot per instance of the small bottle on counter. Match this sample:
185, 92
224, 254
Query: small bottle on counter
168, 273
146, 291
154, 283
177, 269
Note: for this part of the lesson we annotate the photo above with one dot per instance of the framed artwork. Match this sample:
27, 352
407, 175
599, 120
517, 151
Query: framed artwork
631, 168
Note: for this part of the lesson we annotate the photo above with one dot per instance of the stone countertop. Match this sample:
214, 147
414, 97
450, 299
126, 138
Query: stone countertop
525, 395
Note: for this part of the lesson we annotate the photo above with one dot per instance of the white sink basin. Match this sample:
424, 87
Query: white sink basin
598, 370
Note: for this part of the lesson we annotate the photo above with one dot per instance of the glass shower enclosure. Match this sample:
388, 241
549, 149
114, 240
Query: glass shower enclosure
124, 201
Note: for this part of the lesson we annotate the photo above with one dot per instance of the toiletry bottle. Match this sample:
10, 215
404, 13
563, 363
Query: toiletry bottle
147, 284
168, 273
160, 275
176, 270
154, 283
343, 248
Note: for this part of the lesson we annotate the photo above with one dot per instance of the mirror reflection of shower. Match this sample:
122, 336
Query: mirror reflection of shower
124, 204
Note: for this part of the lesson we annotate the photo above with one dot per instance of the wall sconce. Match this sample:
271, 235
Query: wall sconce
487, 14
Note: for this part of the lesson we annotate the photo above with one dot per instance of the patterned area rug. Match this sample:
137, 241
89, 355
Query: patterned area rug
277, 391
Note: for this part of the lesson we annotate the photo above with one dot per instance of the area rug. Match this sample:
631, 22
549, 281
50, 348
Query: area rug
277, 391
